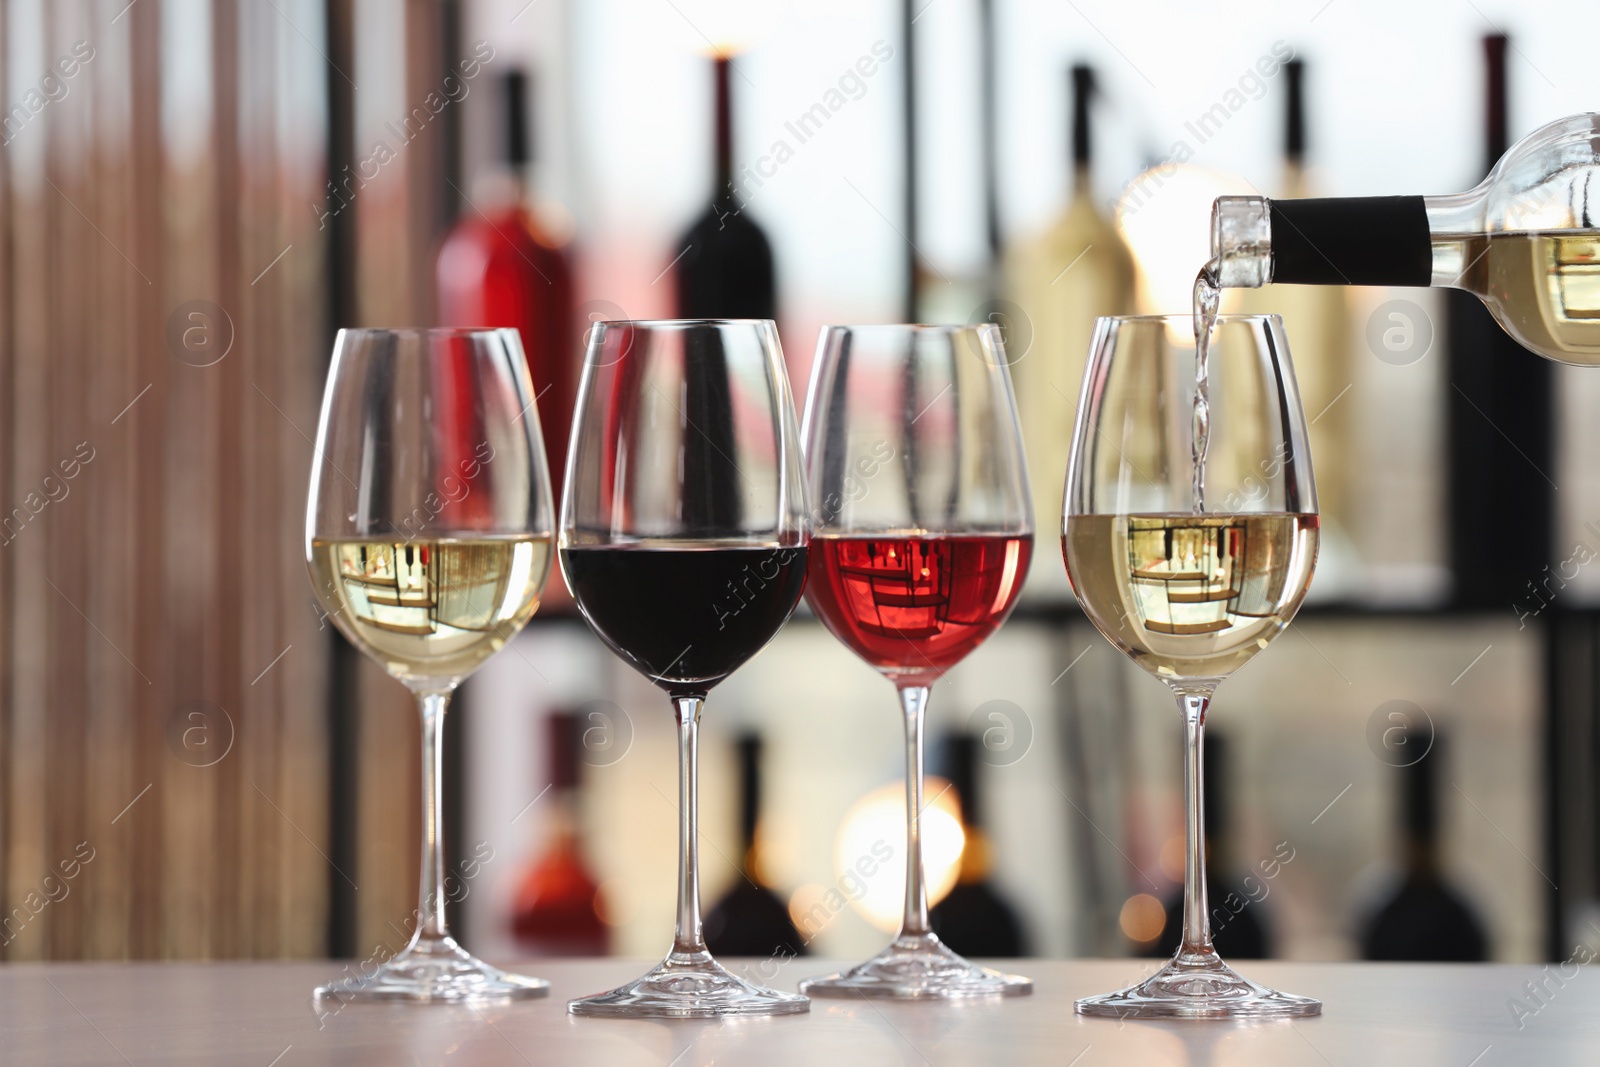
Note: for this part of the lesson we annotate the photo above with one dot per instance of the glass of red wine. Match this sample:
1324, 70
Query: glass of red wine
683, 541
921, 535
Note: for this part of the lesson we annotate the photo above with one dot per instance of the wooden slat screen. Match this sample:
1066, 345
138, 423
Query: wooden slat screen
164, 198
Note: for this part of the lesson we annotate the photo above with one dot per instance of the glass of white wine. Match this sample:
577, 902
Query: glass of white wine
428, 535
1190, 534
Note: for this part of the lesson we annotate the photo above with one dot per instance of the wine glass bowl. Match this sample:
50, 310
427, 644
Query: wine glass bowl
921, 538
684, 543
1191, 575
429, 528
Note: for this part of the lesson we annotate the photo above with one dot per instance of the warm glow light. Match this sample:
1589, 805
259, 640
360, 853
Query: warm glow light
809, 911
728, 27
869, 854
1143, 917
1165, 217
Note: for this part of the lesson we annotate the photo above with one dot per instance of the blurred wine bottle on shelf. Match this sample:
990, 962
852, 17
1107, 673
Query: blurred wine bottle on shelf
724, 267
750, 920
1317, 320
502, 265
1236, 898
557, 909
1499, 419
1425, 919
1078, 269
974, 919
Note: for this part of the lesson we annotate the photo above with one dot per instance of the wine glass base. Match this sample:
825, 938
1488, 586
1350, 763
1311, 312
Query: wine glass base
918, 968
689, 985
1198, 986
434, 970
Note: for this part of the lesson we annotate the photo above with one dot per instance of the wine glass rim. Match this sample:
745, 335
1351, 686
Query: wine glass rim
912, 327
679, 324
425, 331
1183, 317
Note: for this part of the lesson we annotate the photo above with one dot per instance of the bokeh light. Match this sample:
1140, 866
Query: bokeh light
1164, 215
875, 827
1143, 918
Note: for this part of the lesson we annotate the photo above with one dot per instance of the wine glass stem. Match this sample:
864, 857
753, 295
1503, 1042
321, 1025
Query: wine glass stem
430, 898
687, 938
914, 701
1196, 922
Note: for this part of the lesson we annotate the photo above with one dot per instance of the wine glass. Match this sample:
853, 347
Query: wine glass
1190, 576
683, 541
428, 535
921, 538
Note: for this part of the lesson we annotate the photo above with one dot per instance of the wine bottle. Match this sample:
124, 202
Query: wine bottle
556, 911
1238, 911
1425, 919
499, 266
1525, 241
1317, 320
1499, 419
974, 919
1078, 269
750, 920
725, 267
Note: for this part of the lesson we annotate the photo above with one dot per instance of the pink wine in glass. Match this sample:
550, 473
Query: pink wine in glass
914, 606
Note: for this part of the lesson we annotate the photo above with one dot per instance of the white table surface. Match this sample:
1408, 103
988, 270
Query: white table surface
261, 1015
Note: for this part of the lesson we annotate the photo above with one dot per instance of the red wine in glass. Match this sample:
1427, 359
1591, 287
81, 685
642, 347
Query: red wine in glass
921, 534
913, 607
685, 617
683, 540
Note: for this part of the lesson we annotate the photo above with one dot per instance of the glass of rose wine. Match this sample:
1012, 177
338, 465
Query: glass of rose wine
922, 530
428, 536
683, 541
1190, 535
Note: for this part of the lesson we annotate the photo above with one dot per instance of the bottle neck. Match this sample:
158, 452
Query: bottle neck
722, 144
562, 820
1081, 183
1378, 240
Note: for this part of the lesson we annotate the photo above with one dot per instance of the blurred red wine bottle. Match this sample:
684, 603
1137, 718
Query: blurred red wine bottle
557, 911
501, 266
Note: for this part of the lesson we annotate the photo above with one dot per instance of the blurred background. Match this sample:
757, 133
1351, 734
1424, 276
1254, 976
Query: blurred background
195, 194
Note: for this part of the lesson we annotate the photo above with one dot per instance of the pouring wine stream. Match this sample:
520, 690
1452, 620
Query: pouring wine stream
1207, 299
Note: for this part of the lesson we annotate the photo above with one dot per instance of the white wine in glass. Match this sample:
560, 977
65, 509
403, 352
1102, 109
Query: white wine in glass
1190, 542
429, 533
428, 608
